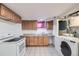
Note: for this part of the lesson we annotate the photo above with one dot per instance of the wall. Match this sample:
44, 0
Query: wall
55, 27
73, 29
77, 30
38, 31
7, 27
29, 31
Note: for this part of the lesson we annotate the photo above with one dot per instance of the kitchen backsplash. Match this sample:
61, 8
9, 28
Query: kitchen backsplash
37, 32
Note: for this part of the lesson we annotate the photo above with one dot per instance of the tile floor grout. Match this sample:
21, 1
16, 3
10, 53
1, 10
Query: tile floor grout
41, 51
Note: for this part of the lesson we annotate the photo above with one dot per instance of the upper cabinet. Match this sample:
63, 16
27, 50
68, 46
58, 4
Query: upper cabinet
74, 21
49, 25
8, 14
29, 24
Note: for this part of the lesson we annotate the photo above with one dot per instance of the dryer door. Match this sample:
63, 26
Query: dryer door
65, 49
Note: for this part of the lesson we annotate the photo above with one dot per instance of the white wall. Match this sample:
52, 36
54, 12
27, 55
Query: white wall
7, 27
38, 31
29, 31
55, 27
17, 29
77, 31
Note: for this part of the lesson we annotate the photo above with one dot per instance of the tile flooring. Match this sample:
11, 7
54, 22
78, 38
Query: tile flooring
41, 51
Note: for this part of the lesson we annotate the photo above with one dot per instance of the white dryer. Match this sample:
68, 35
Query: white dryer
67, 46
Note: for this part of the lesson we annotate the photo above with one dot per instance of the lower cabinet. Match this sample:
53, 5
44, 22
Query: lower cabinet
36, 40
40, 40
45, 40
27, 40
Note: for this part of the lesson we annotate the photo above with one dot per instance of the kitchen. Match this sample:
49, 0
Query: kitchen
34, 31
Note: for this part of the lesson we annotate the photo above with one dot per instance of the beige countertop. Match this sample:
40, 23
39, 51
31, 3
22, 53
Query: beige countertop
70, 38
33, 35
36, 35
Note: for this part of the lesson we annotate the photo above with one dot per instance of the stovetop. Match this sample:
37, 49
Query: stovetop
14, 39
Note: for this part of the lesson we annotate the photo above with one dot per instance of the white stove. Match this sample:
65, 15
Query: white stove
11, 45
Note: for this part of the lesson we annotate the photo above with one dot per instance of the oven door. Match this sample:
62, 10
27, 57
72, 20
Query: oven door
21, 47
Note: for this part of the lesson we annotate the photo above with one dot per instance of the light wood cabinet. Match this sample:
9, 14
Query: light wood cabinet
27, 40
49, 25
45, 40
29, 25
8, 14
37, 40
34, 25
32, 41
41, 40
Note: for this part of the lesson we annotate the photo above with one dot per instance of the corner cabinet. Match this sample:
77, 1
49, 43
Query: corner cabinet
9, 15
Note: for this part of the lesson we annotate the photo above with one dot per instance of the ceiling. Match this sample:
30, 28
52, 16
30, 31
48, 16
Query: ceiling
34, 11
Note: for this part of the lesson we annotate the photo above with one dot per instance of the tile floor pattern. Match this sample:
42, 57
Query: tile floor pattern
41, 51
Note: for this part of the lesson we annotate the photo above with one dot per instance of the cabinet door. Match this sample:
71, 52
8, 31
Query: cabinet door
3, 11
29, 25
27, 40
36, 40
49, 25
45, 40
18, 20
34, 25
32, 41
24, 25
40, 40
8, 14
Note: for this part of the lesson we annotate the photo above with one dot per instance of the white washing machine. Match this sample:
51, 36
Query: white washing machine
67, 46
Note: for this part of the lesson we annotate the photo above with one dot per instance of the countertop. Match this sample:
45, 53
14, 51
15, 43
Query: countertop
11, 38
70, 38
36, 35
